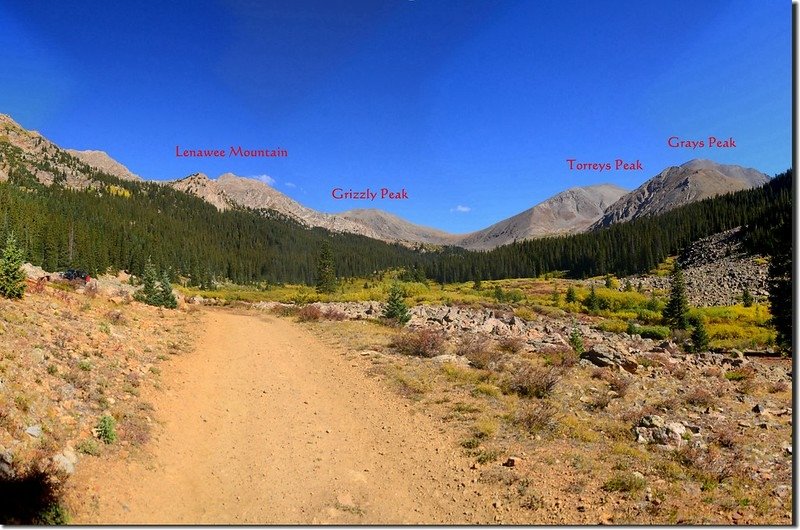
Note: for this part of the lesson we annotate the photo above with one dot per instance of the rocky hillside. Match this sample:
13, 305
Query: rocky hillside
101, 161
69, 357
394, 228
717, 271
571, 211
44, 160
678, 185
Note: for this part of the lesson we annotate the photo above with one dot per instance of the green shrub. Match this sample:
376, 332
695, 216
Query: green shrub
107, 429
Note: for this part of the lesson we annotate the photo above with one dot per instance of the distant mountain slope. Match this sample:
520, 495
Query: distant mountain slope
232, 190
396, 228
678, 185
103, 162
570, 211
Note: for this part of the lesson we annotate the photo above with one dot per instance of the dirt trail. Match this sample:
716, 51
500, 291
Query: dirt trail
264, 424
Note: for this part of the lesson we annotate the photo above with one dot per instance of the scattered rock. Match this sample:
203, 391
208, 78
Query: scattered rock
65, 461
512, 461
34, 430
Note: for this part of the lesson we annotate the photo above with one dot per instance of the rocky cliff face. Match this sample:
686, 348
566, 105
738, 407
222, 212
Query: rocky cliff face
679, 185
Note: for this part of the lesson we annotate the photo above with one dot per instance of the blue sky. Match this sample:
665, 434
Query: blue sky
472, 106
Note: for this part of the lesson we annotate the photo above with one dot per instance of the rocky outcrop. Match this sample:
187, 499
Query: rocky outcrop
716, 271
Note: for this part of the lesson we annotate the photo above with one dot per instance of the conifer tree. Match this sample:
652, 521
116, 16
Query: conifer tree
396, 308
571, 296
592, 302
747, 298
699, 335
149, 293
326, 275
676, 312
12, 277
779, 283
166, 298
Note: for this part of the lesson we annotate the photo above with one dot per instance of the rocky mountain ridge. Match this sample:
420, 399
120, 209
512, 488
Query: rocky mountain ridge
571, 211
679, 185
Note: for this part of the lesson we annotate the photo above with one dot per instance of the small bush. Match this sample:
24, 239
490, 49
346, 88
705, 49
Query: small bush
511, 344
106, 429
618, 383
725, 435
487, 389
778, 386
562, 357
476, 349
470, 443
485, 428
649, 332
88, 447
625, 482
740, 374
333, 314
421, 343
530, 381
309, 313
699, 396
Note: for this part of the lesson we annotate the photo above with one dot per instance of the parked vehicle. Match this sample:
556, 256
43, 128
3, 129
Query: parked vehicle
75, 274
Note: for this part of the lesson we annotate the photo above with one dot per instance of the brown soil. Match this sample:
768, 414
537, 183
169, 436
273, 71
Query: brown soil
264, 424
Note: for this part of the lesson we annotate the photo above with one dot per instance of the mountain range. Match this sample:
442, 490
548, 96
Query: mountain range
575, 210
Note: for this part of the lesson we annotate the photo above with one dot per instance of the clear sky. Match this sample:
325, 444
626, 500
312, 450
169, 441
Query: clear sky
472, 106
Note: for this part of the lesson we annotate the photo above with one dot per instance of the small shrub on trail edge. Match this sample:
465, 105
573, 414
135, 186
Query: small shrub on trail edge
420, 343
469, 345
309, 313
536, 416
476, 348
333, 314
530, 381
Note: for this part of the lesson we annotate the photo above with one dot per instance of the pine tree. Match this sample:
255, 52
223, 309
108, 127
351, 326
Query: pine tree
677, 309
166, 298
396, 308
149, 293
576, 340
747, 298
556, 297
12, 277
699, 335
326, 275
571, 296
592, 302
779, 283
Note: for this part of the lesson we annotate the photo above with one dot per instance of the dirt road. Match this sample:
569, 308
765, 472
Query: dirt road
264, 424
